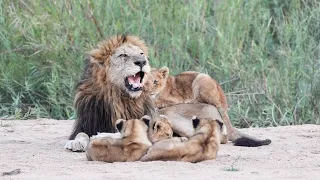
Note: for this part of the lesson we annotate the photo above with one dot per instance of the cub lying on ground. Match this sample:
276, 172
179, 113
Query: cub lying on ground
132, 144
203, 145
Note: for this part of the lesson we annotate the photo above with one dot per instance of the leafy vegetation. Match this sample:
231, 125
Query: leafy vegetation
265, 53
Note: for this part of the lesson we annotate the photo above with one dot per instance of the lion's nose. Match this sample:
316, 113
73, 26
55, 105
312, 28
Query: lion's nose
140, 63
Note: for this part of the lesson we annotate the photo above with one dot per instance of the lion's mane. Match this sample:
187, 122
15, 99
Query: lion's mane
98, 102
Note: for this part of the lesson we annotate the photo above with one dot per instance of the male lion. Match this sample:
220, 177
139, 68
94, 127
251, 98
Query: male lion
112, 86
189, 87
202, 145
132, 144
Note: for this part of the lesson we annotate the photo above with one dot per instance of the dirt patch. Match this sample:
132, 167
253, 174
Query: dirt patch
34, 149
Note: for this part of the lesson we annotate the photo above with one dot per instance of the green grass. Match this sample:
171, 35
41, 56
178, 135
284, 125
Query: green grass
266, 53
232, 167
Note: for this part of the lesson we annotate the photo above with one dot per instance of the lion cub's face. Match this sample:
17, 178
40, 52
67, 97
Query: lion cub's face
160, 130
133, 127
128, 68
156, 81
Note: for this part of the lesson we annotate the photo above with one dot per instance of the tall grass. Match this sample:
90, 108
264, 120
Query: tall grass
266, 54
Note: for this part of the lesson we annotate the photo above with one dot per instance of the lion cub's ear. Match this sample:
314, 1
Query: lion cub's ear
146, 119
119, 124
195, 122
220, 123
157, 126
164, 71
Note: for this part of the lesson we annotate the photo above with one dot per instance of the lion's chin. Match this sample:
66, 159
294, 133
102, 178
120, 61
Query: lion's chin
135, 94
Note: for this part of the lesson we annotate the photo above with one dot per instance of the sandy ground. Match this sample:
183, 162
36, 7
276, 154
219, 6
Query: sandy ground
33, 149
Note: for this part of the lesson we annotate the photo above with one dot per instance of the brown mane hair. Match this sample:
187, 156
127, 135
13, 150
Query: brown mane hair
98, 102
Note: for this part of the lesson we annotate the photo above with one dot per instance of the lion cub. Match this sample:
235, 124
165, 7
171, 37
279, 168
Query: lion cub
203, 145
188, 87
131, 145
160, 129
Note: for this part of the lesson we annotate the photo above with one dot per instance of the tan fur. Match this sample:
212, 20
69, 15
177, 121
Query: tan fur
179, 118
102, 95
188, 87
131, 146
160, 129
203, 145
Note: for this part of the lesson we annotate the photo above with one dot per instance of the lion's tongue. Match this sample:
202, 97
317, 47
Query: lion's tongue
135, 81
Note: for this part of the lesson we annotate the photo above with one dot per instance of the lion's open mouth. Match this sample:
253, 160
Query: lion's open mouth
134, 82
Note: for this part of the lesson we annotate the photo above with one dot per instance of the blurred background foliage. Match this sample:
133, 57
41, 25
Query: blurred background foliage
265, 53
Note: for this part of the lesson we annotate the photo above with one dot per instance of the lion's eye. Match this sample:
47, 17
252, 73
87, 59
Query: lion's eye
155, 82
142, 54
123, 55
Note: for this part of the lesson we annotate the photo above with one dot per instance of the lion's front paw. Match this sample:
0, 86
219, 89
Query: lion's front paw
75, 146
79, 144
106, 135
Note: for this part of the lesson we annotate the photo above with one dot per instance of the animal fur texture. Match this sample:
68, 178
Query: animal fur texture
112, 86
202, 145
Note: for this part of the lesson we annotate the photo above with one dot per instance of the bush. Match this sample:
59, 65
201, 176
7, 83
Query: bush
264, 53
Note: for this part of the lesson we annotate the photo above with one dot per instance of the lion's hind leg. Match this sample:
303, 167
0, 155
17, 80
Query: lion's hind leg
79, 144
206, 90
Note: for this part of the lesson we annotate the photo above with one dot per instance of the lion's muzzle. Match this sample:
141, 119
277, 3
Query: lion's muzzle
140, 63
135, 82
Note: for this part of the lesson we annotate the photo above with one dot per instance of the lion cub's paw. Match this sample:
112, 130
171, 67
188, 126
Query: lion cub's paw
183, 139
79, 144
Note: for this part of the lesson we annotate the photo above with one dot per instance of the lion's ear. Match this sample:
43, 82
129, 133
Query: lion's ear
119, 124
164, 71
96, 57
195, 122
146, 119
